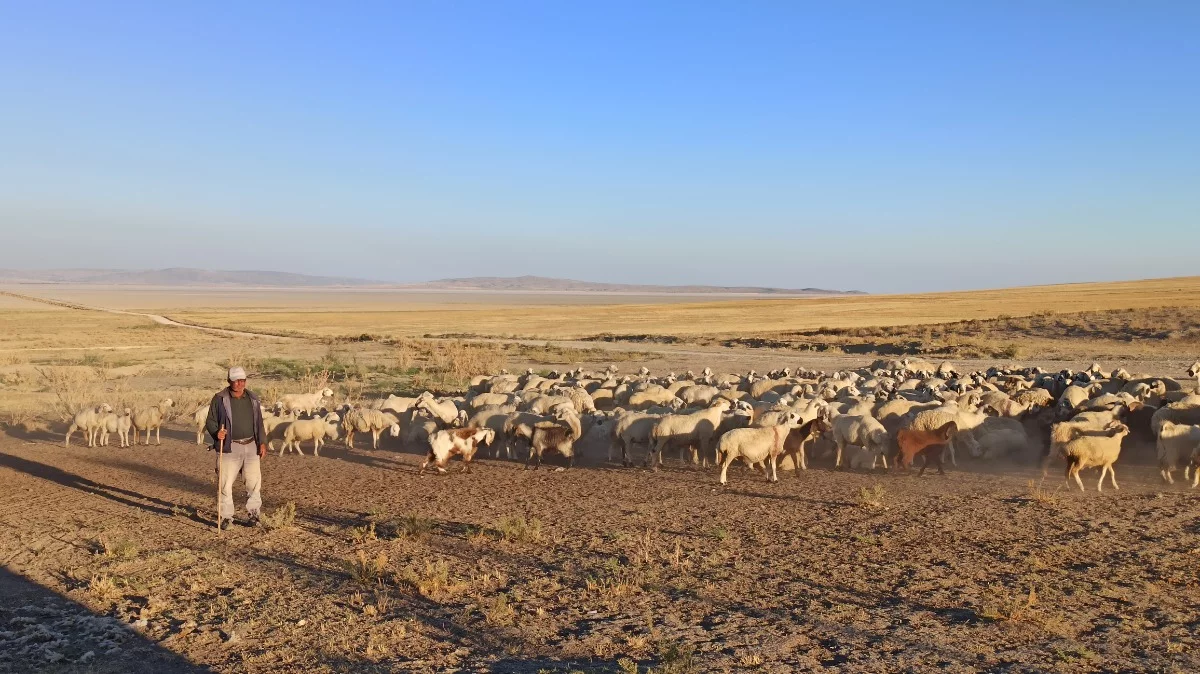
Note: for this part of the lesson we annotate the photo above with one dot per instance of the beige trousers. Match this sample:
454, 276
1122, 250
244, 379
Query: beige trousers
244, 459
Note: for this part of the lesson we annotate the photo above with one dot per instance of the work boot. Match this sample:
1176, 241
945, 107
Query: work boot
253, 520
226, 523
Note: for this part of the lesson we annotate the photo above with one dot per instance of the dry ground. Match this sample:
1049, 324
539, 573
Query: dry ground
725, 318
594, 569
598, 568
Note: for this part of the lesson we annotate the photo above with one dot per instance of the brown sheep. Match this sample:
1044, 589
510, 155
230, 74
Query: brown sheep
912, 442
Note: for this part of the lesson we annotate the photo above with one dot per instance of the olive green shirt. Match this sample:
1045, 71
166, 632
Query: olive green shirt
242, 424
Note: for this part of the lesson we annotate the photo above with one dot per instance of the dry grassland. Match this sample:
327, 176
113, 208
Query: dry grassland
727, 318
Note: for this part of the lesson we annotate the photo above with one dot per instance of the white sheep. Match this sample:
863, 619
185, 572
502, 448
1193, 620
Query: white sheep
1183, 412
1194, 371
444, 411
964, 420
1176, 444
559, 435
87, 421
116, 423
200, 417
1087, 447
316, 430
862, 431
629, 429
146, 419
755, 445
493, 417
375, 422
306, 403
697, 430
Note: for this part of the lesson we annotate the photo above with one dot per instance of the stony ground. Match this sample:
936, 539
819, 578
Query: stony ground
112, 565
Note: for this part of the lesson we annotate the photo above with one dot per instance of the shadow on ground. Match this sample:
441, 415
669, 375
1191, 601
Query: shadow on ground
46, 632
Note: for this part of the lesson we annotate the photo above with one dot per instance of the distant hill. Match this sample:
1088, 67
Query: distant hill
184, 277
541, 283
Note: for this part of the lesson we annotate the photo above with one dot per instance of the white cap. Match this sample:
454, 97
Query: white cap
236, 373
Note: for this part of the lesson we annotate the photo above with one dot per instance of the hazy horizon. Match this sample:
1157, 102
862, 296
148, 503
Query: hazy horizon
923, 147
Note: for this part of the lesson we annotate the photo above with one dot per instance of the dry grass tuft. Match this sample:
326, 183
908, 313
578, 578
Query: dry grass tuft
1039, 493
516, 529
1002, 605
871, 497
499, 612
367, 570
121, 548
283, 517
103, 588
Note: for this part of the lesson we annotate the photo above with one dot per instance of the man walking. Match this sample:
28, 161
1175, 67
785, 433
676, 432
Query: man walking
236, 426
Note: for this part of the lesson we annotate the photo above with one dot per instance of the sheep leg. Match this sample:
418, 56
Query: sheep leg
316, 447
158, 435
729, 457
1112, 476
774, 473
883, 457
837, 462
1166, 475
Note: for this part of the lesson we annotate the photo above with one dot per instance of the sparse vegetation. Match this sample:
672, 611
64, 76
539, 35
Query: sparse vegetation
282, 517
365, 569
871, 497
516, 529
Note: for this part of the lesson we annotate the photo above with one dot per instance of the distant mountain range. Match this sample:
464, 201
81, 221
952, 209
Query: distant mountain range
184, 277
536, 283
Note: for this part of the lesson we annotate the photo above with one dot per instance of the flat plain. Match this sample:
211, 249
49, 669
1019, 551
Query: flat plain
111, 563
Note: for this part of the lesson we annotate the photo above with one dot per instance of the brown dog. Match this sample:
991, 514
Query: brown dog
929, 443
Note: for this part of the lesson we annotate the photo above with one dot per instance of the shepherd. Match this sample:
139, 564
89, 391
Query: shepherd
236, 425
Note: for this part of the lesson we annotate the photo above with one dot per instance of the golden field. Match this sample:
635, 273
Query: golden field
721, 318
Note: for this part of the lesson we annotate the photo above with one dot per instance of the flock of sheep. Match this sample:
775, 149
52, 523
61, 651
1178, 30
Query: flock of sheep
893, 409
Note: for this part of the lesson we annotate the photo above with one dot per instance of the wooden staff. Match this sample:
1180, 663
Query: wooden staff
220, 475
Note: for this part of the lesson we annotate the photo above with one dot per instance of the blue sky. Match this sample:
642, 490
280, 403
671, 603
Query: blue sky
878, 146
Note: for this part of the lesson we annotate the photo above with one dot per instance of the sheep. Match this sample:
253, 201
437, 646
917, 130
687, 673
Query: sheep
462, 441
1177, 443
493, 417
396, 404
519, 425
1194, 371
146, 419
200, 417
307, 403
559, 435
649, 398
579, 398
444, 411
1180, 413
116, 423
696, 430
863, 431
1084, 447
358, 420
631, 428
489, 400
754, 445
997, 437
964, 418
913, 442
316, 430
88, 421
413, 427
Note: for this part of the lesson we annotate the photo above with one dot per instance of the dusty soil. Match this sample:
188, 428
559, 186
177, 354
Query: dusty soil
597, 568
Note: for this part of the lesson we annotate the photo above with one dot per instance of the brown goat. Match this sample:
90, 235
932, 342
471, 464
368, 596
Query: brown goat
927, 443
